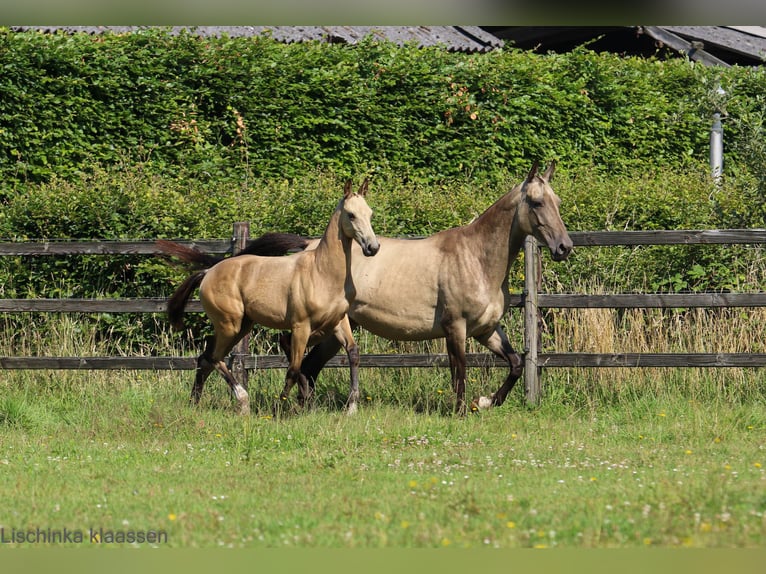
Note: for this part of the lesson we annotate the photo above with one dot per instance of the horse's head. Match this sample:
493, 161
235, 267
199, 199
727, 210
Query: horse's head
538, 213
355, 218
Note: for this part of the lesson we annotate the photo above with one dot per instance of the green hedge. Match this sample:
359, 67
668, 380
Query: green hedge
149, 135
235, 107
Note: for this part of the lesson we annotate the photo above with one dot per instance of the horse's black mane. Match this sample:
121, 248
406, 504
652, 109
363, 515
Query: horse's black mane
274, 244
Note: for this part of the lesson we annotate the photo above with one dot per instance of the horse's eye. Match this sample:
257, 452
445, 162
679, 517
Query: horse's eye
535, 204
351, 216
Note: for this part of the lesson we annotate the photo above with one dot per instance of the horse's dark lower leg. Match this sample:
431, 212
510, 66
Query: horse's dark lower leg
239, 392
206, 362
205, 366
456, 353
284, 343
317, 358
499, 344
304, 392
517, 367
295, 346
289, 382
304, 389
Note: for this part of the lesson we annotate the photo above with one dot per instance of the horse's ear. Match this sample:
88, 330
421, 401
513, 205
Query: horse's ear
348, 189
548, 175
533, 171
363, 188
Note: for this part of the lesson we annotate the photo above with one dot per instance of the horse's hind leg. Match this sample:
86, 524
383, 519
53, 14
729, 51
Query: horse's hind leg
204, 368
305, 385
499, 344
317, 358
227, 335
239, 392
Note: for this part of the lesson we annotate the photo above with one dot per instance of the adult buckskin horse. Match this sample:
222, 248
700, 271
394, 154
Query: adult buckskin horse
307, 294
454, 284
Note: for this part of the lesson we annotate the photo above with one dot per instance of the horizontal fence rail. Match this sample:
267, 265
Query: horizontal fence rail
668, 237
220, 246
139, 247
531, 301
399, 360
547, 300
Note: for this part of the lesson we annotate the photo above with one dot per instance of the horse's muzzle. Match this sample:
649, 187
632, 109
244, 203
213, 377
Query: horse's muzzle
370, 249
562, 250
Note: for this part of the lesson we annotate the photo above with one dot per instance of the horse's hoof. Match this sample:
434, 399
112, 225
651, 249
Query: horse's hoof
351, 409
481, 404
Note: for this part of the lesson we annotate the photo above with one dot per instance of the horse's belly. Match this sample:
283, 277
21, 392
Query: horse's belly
273, 318
396, 325
413, 321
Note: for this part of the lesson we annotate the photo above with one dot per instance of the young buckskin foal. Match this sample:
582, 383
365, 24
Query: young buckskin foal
307, 293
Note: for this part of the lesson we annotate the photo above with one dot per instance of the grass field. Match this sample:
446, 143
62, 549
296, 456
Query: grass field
623, 458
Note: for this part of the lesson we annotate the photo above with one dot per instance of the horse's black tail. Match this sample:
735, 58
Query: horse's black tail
177, 301
198, 259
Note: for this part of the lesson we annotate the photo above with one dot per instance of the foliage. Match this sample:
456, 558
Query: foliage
150, 135
233, 108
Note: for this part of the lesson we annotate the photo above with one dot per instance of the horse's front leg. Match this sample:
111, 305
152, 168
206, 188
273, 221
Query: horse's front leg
345, 337
296, 348
499, 344
455, 334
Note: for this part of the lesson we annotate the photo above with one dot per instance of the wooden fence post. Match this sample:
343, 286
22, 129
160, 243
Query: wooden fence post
531, 320
242, 349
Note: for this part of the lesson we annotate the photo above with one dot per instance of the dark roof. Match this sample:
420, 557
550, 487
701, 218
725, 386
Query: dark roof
711, 45
454, 38
729, 44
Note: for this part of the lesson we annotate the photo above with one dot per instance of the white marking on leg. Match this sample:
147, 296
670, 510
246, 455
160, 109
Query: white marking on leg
243, 399
484, 402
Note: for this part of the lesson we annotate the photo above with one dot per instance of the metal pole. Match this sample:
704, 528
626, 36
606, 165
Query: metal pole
242, 349
716, 148
531, 325
716, 139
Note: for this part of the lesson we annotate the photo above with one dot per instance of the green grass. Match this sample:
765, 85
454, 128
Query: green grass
611, 458
124, 452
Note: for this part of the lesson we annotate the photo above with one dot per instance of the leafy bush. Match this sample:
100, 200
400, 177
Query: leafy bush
149, 135
234, 108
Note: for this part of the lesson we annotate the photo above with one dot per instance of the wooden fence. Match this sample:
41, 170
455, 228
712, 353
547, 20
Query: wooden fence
531, 301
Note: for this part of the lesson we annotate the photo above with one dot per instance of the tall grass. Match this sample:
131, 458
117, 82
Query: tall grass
728, 330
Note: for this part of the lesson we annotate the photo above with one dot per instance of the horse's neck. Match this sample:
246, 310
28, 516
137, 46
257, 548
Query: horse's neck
495, 239
332, 252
